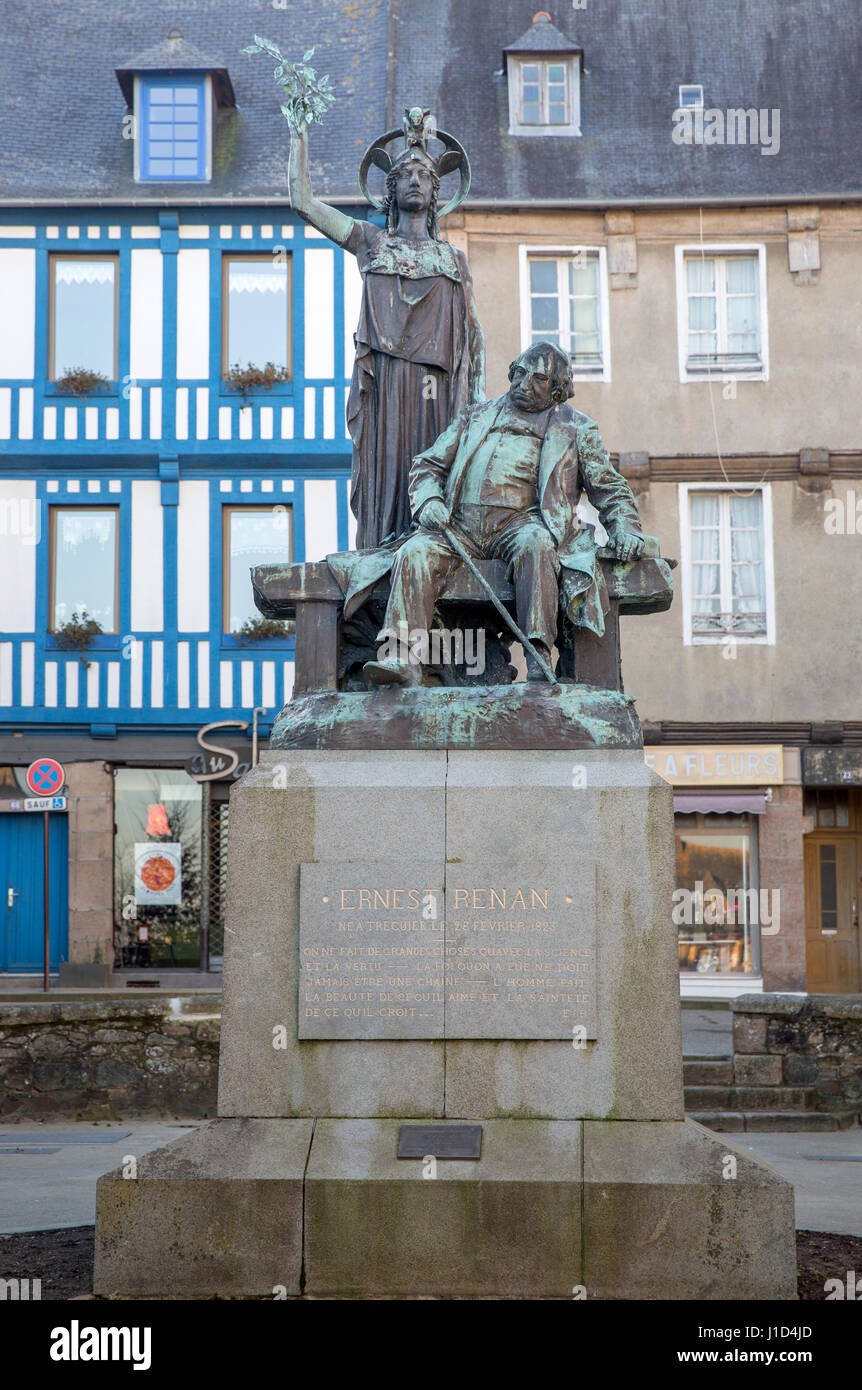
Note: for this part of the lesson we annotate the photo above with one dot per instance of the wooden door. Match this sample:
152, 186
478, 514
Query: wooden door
832, 887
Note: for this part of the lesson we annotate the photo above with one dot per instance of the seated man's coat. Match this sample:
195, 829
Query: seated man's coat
573, 460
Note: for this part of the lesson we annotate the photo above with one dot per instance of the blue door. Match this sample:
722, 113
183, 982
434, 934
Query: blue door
22, 890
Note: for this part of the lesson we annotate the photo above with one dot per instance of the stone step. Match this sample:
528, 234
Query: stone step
775, 1098
763, 1121
749, 1098
707, 1098
707, 1071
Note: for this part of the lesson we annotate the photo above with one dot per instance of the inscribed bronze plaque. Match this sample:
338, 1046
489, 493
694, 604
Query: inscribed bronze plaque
371, 950
402, 950
441, 1141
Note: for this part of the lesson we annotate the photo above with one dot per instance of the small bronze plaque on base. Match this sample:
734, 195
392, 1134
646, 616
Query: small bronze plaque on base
441, 1141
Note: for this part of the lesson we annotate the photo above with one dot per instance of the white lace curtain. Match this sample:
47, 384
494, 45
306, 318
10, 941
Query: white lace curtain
727, 533
256, 278
705, 552
81, 272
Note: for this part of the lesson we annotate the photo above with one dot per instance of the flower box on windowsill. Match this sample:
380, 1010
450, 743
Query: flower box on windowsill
255, 393
99, 642
102, 392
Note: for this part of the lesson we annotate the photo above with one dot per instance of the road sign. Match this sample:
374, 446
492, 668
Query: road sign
44, 803
45, 777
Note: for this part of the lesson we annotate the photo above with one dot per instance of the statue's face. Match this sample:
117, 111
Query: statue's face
532, 382
413, 187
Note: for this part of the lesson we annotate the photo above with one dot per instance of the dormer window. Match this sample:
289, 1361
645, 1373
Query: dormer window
544, 94
174, 92
543, 68
690, 96
173, 129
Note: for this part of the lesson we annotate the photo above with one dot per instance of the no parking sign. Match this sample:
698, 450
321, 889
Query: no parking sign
46, 777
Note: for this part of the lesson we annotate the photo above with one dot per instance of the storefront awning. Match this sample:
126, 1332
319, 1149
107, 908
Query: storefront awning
722, 803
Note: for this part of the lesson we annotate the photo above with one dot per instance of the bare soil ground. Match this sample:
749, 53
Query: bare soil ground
63, 1260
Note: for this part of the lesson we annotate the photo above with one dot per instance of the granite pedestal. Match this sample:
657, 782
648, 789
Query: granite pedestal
440, 937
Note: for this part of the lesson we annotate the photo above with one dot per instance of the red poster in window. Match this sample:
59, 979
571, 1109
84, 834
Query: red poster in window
157, 820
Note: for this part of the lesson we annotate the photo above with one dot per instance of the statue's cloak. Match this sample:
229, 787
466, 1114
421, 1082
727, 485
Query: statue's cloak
419, 361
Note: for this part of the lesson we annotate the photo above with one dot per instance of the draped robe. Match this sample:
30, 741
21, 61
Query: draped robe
419, 361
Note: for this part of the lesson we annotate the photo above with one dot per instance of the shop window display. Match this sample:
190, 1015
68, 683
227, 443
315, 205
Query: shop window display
716, 903
157, 868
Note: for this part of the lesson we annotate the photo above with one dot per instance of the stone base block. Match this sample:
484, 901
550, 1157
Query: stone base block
618, 1209
218, 1212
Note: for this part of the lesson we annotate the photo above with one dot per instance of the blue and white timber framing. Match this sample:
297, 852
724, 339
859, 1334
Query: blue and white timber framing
170, 444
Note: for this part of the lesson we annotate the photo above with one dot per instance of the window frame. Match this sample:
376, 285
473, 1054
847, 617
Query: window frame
53, 257
718, 371
571, 62
690, 105
227, 510
53, 509
526, 251
267, 256
713, 639
164, 79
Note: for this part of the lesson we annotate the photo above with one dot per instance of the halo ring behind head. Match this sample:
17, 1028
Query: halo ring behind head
378, 155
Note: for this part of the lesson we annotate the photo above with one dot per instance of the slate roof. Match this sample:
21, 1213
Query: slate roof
542, 37
801, 56
61, 107
176, 54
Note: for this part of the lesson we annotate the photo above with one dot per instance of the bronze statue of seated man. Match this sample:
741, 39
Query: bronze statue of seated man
504, 481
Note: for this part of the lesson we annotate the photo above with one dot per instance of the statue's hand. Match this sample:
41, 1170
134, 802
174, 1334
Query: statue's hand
298, 126
434, 515
627, 544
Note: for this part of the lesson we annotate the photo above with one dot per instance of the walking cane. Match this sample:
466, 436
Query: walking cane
500, 607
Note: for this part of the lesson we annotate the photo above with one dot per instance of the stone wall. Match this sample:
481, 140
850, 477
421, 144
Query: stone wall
812, 1040
107, 1060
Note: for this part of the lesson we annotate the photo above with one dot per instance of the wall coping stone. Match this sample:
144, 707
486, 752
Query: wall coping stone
794, 1005
35, 1012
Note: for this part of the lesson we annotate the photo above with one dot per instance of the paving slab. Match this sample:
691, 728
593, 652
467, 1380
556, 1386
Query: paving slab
826, 1171
707, 1032
48, 1172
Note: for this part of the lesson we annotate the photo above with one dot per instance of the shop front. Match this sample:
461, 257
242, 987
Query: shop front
137, 860
738, 843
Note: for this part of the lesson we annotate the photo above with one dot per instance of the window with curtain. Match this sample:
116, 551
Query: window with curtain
728, 584
544, 93
256, 312
723, 312
252, 536
173, 129
566, 305
84, 565
84, 315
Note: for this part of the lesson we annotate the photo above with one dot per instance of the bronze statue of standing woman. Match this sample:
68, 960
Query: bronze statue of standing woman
420, 354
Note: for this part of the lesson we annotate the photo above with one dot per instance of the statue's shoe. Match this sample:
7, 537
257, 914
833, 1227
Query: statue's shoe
388, 671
